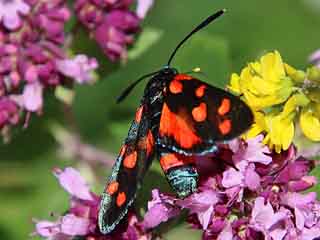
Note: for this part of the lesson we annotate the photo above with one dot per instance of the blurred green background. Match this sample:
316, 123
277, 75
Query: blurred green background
250, 28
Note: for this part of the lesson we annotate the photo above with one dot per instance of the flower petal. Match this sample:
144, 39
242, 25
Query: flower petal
47, 228
310, 124
32, 97
226, 233
252, 179
231, 178
73, 225
79, 68
72, 182
143, 7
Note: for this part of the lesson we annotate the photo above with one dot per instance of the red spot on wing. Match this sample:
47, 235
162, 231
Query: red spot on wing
139, 114
150, 143
121, 199
225, 126
199, 113
175, 87
224, 106
177, 126
130, 160
200, 91
171, 160
112, 187
182, 77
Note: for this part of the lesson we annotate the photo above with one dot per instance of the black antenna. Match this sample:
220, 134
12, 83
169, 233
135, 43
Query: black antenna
126, 92
196, 29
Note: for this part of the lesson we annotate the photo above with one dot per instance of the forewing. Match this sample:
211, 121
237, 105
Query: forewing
196, 115
133, 161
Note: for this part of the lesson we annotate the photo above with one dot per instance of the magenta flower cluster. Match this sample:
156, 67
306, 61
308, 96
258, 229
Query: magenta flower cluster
111, 23
81, 218
32, 56
33, 48
247, 192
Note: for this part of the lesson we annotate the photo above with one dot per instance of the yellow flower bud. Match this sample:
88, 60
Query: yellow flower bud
310, 124
313, 74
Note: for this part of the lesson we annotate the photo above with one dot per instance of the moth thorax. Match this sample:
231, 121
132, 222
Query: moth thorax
183, 180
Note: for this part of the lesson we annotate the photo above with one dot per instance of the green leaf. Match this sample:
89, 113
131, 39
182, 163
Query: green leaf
208, 52
148, 37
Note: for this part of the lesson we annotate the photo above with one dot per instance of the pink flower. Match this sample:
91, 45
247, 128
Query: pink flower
115, 33
251, 151
143, 7
160, 209
9, 112
81, 218
32, 97
112, 24
30, 52
10, 11
80, 68
265, 220
248, 194
226, 233
47, 229
73, 183
202, 204
315, 58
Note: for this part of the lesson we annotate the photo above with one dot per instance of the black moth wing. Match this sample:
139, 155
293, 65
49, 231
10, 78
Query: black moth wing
196, 115
127, 173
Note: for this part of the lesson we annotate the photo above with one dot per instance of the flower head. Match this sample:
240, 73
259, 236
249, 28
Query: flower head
263, 83
81, 218
278, 94
112, 24
32, 56
256, 196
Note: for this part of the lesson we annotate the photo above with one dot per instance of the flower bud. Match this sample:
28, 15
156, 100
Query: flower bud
313, 74
299, 76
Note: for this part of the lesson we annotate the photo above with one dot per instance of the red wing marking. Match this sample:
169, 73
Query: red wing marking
224, 106
139, 114
130, 160
170, 160
175, 87
199, 113
176, 126
225, 126
200, 91
182, 77
121, 199
150, 143
112, 187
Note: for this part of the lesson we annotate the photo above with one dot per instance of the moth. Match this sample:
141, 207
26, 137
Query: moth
179, 117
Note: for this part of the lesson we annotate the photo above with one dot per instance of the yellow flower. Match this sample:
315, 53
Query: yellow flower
257, 127
280, 132
310, 123
278, 126
264, 83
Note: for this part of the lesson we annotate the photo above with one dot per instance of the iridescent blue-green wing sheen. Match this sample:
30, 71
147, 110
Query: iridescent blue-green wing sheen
180, 172
127, 173
195, 116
